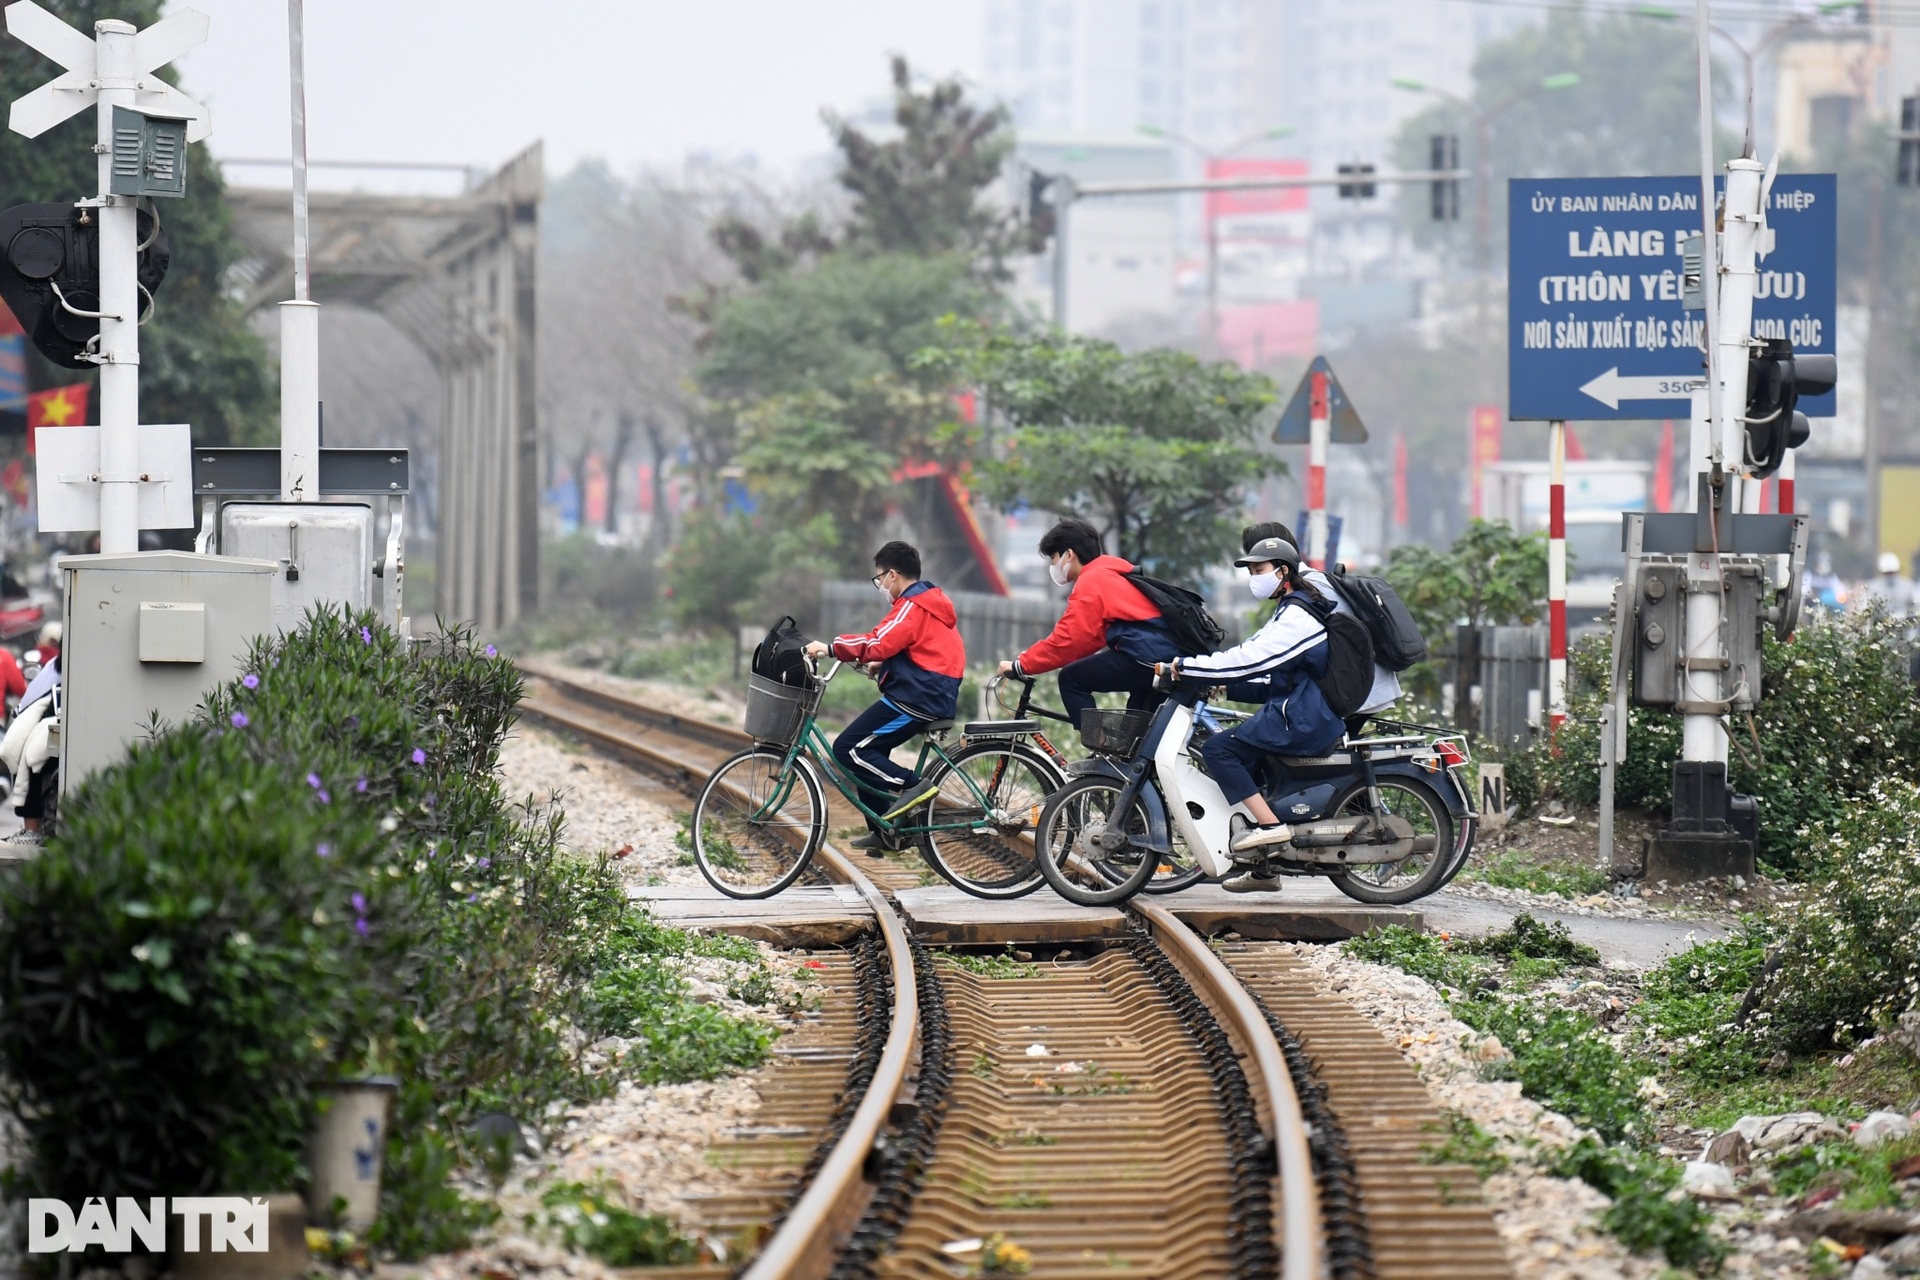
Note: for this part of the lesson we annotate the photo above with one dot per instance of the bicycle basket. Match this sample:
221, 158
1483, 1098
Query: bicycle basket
775, 711
1113, 733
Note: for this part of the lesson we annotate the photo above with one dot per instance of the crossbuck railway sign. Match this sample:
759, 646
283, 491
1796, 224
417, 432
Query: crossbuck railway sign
79, 87
1597, 327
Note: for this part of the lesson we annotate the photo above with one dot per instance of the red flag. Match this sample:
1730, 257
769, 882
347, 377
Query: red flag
1574, 452
9, 327
1484, 447
1663, 469
57, 407
1399, 480
13, 482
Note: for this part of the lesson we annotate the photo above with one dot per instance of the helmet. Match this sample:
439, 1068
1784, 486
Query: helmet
1274, 551
50, 634
1889, 562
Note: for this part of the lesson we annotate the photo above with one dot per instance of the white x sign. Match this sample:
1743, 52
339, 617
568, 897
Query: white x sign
79, 87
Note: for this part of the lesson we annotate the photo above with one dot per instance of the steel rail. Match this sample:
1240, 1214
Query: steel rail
811, 1236
1296, 1208
800, 1249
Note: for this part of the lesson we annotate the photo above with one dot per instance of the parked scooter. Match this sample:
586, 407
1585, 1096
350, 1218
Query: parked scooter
1387, 818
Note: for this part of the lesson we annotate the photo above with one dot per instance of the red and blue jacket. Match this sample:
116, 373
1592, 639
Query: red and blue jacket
1104, 611
920, 653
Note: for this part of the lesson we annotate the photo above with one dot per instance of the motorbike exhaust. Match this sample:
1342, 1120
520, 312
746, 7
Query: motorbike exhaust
1356, 841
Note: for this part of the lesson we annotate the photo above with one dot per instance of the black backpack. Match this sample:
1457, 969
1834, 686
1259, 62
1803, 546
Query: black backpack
1184, 612
1397, 642
782, 655
1349, 677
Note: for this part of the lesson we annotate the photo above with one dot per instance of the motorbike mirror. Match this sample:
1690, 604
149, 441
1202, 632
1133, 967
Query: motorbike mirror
31, 655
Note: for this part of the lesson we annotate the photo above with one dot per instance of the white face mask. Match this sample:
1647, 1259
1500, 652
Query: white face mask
1057, 570
1263, 585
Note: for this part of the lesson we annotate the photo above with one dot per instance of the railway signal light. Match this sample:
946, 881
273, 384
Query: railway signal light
1776, 379
50, 275
1443, 155
1362, 187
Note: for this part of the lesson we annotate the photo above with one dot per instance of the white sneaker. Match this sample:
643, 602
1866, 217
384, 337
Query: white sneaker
25, 837
1257, 837
1251, 882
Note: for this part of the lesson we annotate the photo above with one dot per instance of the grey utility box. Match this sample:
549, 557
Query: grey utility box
150, 632
324, 551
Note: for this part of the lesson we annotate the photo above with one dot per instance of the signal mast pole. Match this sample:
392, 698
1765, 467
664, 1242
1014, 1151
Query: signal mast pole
119, 304
299, 318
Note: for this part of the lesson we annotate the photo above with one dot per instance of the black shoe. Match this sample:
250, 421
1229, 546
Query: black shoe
875, 844
914, 796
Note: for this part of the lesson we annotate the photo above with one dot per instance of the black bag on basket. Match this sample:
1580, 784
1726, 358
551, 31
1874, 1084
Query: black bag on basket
782, 655
1397, 642
1184, 612
1349, 677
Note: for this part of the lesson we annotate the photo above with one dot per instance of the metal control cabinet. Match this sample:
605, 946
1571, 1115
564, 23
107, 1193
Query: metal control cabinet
324, 551
150, 632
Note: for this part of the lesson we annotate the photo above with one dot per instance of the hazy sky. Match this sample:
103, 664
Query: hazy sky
630, 81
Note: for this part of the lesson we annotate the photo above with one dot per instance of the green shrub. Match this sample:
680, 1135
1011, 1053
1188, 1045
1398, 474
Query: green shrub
1837, 714
1510, 869
318, 877
1564, 1062
638, 994
1649, 1211
1692, 1003
1424, 955
1527, 939
588, 1218
1849, 956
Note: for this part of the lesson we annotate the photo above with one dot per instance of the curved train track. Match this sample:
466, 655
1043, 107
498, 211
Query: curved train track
1191, 1136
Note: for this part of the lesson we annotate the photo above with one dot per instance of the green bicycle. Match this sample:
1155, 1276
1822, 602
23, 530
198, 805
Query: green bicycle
763, 812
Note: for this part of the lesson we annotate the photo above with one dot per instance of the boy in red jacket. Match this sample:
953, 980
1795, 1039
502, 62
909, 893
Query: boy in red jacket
921, 659
1110, 635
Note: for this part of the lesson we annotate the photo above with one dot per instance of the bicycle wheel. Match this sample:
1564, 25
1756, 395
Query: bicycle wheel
756, 825
1076, 828
993, 858
1177, 869
1421, 871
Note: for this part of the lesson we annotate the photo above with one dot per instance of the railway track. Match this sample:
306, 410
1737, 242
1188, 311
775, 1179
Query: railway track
1134, 1104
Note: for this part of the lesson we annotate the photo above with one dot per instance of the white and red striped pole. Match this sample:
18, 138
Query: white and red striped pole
1319, 433
1557, 577
1783, 502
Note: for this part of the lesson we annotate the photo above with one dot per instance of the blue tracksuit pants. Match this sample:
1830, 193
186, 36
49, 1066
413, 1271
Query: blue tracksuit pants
863, 749
1235, 757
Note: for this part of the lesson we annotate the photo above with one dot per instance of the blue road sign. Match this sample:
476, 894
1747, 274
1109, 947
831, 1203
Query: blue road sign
1344, 426
1596, 328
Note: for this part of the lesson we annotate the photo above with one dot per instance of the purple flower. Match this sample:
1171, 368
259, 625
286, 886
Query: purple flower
325, 851
366, 637
492, 652
361, 926
359, 901
484, 863
239, 719
429, 851
361, 786
324, 797
313, 780
473, 897
419, 756
250, 680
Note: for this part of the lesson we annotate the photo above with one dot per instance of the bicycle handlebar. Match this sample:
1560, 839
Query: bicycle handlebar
1024, 706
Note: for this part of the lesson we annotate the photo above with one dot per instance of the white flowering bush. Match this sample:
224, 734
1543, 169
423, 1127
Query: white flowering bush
1849, 959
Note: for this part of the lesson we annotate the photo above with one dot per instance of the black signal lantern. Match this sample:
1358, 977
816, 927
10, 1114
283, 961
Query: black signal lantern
1361, 186
50, 275
1776, 379
1041, 216
1443, 153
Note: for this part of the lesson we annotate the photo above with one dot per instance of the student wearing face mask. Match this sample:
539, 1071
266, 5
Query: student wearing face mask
1386, 684
1286, 657
1110, 636
918, 656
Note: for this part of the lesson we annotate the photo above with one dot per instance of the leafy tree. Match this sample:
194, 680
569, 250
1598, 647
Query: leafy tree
1155, 448
1488, 577
199, 363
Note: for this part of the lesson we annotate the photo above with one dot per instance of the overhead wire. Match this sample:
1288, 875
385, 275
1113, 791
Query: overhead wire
1881, 15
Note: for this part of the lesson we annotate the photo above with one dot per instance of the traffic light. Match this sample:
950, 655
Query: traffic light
1776, 379
1910, 142
1443, 151
50, 274
1040, 212
1362, 186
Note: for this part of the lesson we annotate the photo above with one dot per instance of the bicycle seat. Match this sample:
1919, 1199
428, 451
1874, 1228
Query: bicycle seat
999, 728
936, 726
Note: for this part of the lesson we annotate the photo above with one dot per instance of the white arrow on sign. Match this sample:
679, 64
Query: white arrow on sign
78, 88
1610, 388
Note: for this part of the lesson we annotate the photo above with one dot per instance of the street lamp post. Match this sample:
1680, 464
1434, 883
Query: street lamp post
1213, 236
1483, 164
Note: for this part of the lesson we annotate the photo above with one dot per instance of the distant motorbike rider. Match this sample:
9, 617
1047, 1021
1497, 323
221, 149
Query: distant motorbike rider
919, 658
1290, 653
1109, 637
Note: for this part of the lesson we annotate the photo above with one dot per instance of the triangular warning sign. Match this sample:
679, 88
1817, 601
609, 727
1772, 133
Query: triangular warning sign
1347, 427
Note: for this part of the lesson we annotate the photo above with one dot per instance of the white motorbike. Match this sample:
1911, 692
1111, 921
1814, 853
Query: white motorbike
1387, 817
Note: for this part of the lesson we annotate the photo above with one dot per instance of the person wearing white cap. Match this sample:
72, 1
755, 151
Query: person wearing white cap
1889, 590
